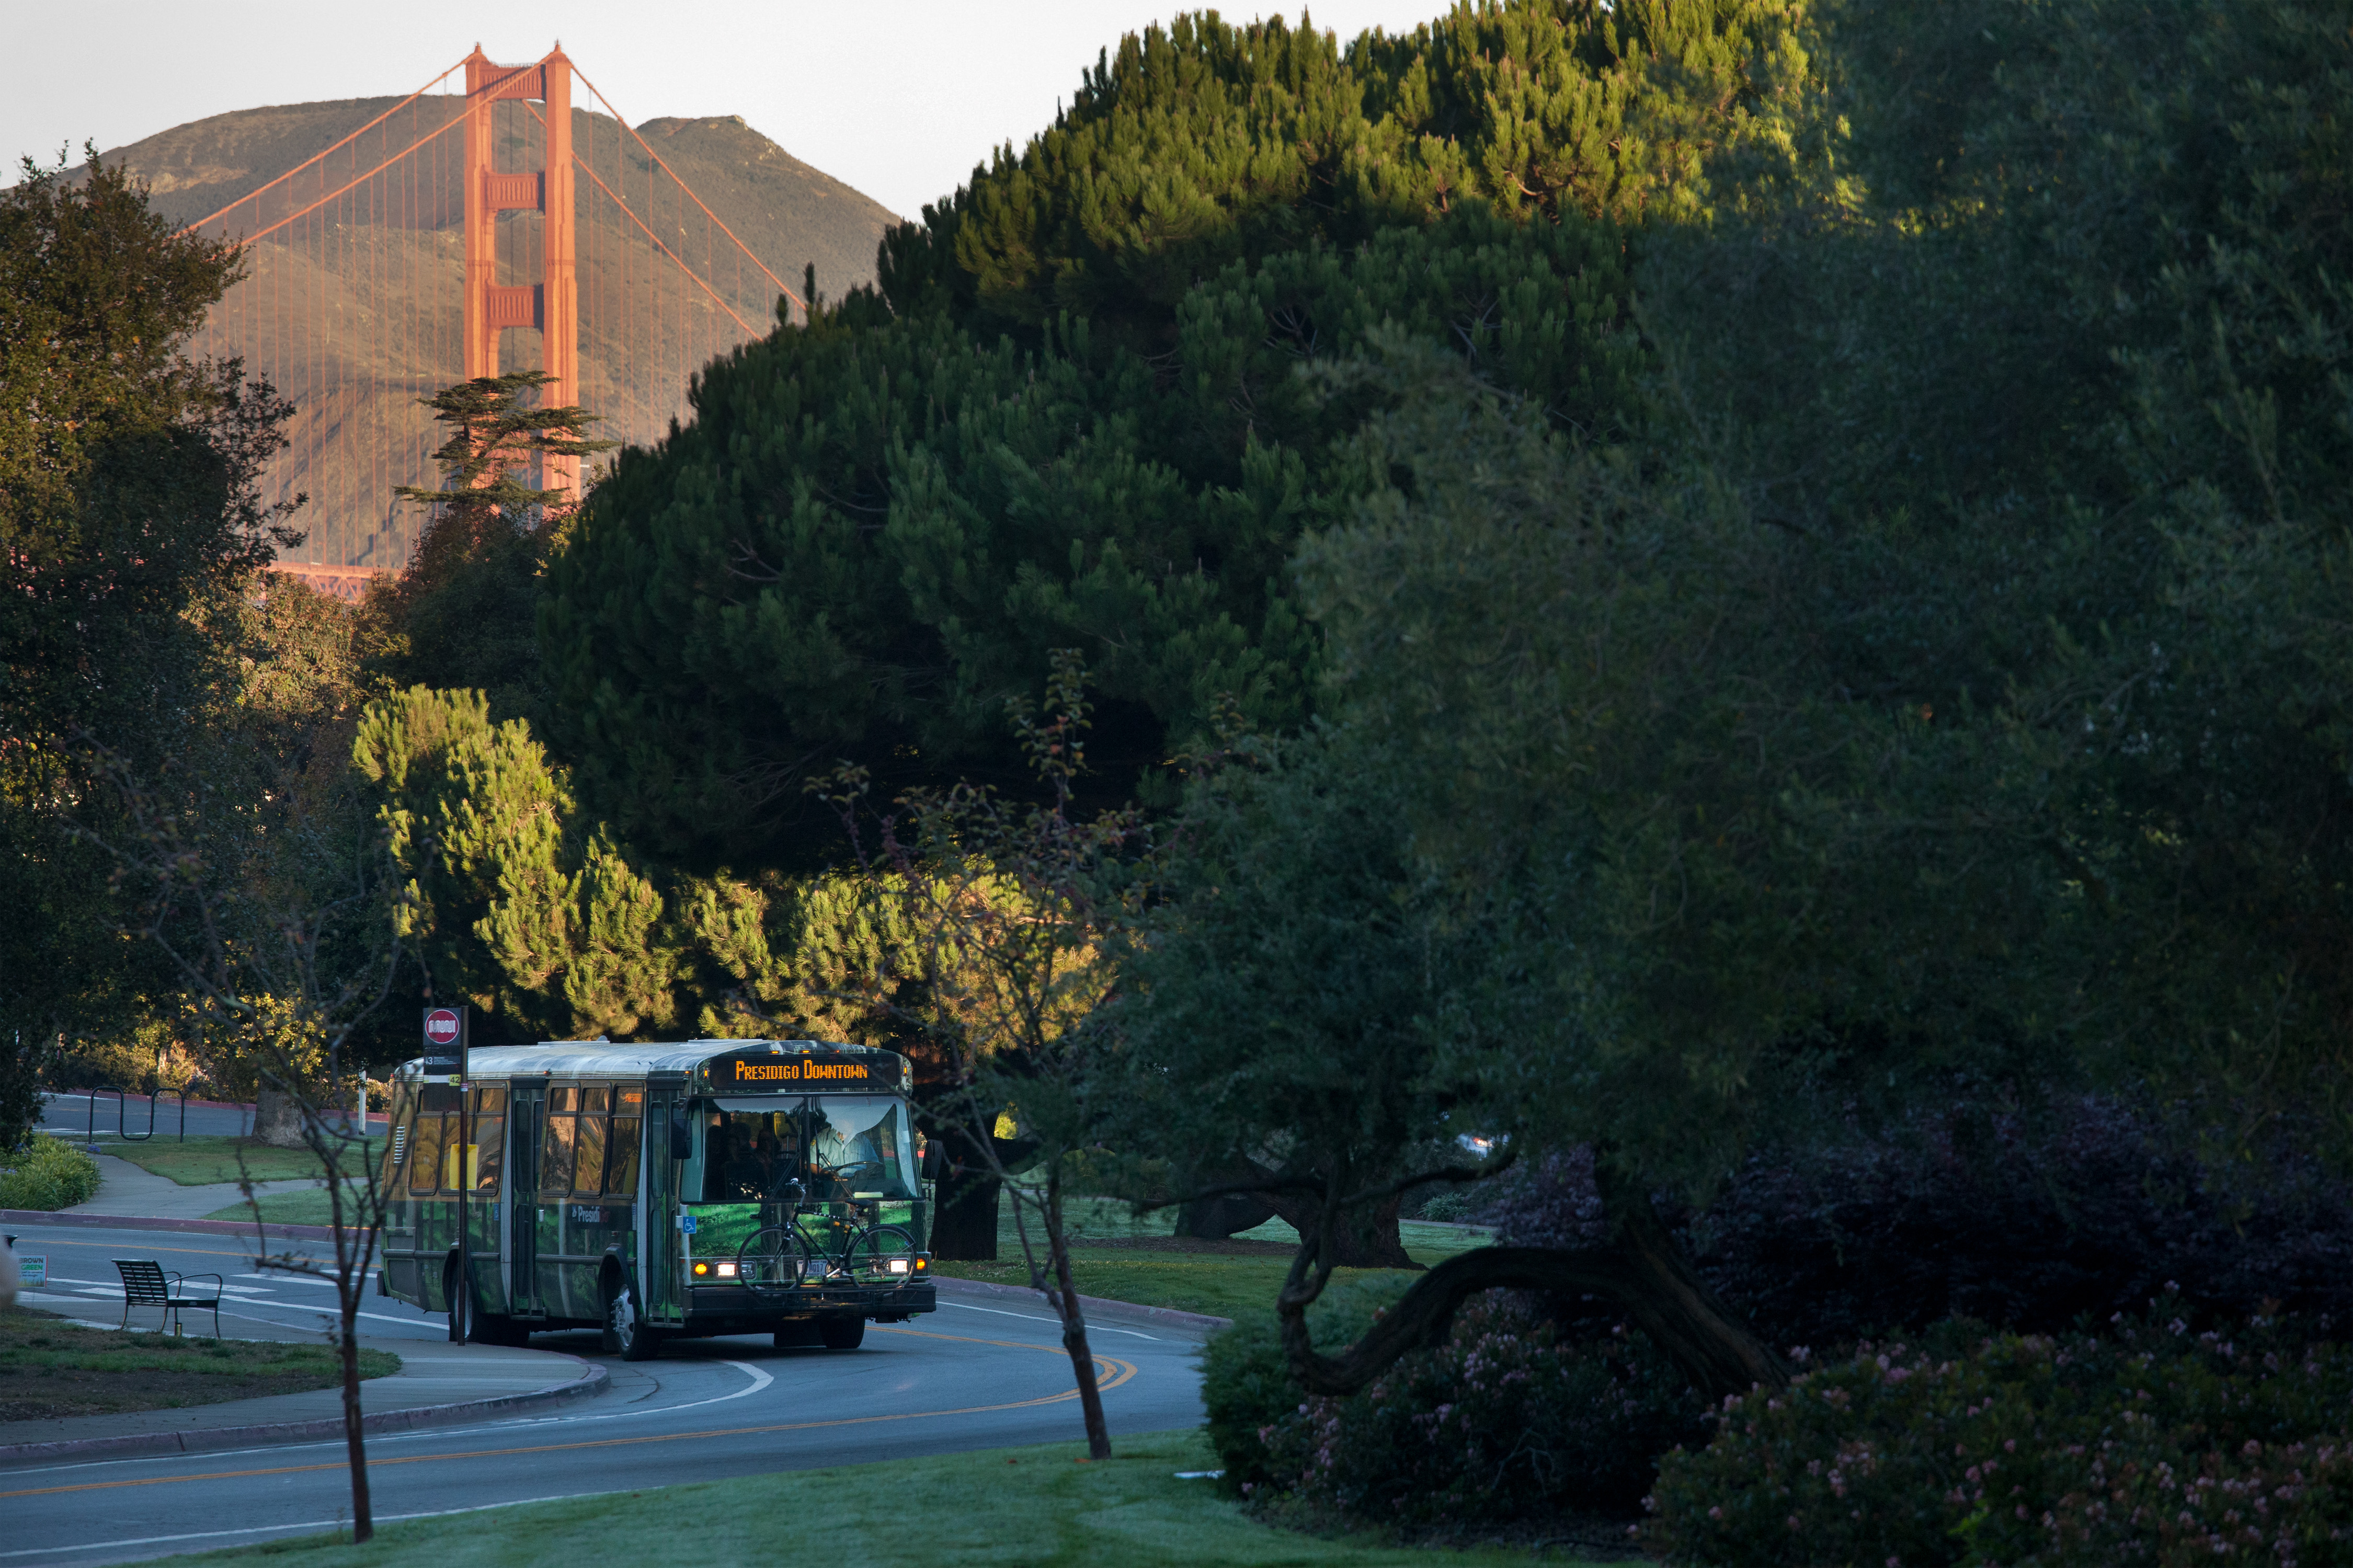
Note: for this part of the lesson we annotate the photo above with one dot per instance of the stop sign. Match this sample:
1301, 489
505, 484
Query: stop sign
441, 1026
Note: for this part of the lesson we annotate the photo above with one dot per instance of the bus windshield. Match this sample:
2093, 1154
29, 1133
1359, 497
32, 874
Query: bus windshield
837, 1145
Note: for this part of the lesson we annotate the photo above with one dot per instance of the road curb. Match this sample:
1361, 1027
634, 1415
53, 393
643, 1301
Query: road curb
948, 1284
188, 1227
589, 1387
141, 1094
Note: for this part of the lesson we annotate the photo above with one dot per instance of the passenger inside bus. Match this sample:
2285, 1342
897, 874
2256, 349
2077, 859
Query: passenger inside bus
752, 1157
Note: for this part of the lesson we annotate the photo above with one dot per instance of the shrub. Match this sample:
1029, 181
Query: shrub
1454, 1206
1504, 1421
2150, 1445
1246, 1382
2088, 1207
47, 1173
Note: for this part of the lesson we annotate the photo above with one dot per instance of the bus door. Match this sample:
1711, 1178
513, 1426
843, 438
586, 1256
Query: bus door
527, 1118
666, 1123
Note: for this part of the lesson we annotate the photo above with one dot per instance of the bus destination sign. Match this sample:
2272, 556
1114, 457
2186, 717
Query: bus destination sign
808, 1071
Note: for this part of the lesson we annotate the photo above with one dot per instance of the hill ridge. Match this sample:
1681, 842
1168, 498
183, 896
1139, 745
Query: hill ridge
375, 281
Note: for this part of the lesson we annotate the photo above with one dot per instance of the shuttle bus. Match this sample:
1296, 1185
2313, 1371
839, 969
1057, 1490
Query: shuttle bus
659, 1191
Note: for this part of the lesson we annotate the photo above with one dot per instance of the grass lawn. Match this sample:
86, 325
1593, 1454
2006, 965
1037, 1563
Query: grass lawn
1125, 1257
51, 1368
286, 1208
201, 1161
1005, 1508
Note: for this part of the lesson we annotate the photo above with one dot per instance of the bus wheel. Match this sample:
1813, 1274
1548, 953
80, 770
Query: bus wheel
627, 1335
841, 1333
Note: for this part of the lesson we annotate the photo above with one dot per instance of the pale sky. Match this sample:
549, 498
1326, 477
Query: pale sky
898, 99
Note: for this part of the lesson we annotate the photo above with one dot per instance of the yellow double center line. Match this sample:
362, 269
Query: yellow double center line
1110, 1373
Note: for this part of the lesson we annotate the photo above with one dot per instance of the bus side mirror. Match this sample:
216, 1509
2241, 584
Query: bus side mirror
681, 1134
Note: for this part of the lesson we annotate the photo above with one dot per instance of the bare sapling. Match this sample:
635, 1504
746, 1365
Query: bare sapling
1006, 904
279, 923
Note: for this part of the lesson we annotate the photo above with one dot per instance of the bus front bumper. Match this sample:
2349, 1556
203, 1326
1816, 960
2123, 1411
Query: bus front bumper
737, 1301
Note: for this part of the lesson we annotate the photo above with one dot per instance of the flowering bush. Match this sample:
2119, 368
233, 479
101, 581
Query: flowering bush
1246, 1383
1500, 1421
2150, 1445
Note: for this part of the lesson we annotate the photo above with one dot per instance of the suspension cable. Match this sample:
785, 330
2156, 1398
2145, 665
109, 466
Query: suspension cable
354, 136
682, 186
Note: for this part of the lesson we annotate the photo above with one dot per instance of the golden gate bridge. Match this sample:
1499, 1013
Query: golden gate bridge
456, 235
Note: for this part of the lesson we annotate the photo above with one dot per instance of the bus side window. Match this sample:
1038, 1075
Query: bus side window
555, 1149
489, 1131
398, 1134
621, 1160
425, 1152
588, 1172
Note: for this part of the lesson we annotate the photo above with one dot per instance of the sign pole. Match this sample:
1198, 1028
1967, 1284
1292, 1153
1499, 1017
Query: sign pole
448, 1031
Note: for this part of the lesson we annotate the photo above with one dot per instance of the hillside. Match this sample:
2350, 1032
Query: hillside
353, 310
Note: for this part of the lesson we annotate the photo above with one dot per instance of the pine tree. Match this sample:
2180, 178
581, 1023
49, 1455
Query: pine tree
1079, 408
460, 614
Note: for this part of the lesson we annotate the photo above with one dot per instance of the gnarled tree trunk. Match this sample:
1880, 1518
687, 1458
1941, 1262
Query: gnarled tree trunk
1366, 1237
1641, 1269
1214, 1219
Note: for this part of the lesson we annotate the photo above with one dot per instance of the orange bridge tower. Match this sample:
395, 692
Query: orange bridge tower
552, 305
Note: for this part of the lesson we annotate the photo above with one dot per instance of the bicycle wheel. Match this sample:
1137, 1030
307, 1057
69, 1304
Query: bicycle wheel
883, 1255
773, 1260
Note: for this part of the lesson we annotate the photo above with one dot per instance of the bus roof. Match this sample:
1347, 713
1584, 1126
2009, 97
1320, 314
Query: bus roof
596, 1058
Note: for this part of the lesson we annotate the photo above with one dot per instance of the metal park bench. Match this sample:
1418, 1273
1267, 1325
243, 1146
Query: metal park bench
145, 1285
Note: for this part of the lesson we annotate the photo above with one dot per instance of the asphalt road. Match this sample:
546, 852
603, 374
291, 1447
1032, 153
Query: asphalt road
77, 1114
965, 1377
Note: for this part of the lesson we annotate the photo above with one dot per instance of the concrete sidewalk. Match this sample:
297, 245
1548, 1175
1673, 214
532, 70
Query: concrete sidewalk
125, 1189
436, 1382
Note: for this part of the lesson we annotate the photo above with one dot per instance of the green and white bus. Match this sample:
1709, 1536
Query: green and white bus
659, 1190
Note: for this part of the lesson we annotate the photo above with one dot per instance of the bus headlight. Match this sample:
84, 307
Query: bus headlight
899, 1266
727, 1271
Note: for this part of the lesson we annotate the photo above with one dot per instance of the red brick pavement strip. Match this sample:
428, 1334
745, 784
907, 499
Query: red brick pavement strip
188, 1227
376, 1117
591, 1382
141, 1094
